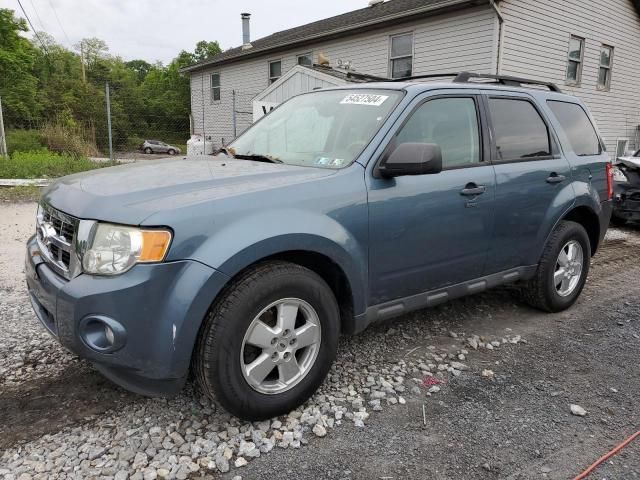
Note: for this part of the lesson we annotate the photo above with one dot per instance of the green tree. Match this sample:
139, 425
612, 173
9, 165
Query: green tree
205, 50
18, 85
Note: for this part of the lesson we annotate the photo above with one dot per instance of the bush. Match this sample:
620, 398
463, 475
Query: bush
69, 139
134, 143
45, 164
24, 141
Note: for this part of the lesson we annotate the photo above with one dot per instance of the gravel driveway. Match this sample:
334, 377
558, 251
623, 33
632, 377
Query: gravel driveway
479, 388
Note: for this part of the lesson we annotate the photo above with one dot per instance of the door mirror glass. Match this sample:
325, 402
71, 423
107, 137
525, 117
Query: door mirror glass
412, 159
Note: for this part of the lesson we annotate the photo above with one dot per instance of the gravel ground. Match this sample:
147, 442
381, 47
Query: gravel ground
480, 388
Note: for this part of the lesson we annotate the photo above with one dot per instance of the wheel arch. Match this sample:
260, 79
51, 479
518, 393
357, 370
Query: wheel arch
324, 265
588, 218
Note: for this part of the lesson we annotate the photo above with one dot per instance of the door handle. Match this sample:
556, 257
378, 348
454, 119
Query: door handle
555, 178
472, 190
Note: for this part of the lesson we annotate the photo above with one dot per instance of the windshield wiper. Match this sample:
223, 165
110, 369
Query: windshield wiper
258, 158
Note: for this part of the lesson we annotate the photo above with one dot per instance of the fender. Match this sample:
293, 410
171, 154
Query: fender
255, 237
583, 195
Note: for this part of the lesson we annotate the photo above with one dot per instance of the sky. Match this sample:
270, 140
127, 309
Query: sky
158, 30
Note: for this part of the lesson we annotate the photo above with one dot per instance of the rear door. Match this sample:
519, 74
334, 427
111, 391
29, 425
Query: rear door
532, 179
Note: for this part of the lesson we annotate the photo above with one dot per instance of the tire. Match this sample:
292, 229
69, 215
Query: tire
541, 291
224, 340
148, 151
171, 151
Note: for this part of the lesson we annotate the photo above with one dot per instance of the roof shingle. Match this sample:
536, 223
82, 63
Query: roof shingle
344, 24
389, 11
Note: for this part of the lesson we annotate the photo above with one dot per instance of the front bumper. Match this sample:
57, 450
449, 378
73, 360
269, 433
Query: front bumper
159, 306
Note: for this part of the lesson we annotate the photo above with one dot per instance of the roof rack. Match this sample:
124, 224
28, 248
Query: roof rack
465, 77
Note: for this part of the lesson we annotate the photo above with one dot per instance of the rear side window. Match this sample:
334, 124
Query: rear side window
520, 133
579, 129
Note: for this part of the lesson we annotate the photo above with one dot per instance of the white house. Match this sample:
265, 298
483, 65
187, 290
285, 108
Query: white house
590, 48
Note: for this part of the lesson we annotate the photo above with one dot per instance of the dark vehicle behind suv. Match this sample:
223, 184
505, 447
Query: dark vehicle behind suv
626, 176
340, 208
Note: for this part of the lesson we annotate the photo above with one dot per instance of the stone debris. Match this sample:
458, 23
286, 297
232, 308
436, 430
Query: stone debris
186, 437
577, 410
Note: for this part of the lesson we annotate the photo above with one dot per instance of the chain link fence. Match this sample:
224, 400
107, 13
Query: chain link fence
111, 131
105, 130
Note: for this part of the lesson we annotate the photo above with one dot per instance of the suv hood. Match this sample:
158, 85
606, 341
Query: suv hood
130, 193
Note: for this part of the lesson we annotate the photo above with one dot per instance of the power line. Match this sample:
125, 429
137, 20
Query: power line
60, 23
35, 32
42, 29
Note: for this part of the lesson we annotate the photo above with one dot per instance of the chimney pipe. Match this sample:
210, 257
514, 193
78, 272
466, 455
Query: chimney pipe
246, 34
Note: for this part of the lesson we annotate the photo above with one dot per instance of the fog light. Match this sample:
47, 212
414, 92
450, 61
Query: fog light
102, 334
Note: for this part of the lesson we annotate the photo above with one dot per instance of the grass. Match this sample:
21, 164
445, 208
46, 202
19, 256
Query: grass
19, 194
45, 164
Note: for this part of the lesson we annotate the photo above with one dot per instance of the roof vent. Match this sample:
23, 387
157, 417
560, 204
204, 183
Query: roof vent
246, 32
373, 3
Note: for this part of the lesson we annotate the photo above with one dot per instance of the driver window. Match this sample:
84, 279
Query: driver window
451, 123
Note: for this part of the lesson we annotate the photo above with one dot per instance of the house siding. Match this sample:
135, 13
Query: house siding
465, 40
536, 43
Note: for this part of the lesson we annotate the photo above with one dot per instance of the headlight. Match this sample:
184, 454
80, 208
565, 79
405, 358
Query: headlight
116, 248
619, 176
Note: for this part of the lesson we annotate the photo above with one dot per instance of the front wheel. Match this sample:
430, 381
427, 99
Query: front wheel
148, 150
171, 151
268, 343
562, 271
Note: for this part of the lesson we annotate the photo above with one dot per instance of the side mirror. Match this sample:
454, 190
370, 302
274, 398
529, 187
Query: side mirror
412, 159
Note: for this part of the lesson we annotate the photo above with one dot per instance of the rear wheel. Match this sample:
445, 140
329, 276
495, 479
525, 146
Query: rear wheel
269, 342
562, 271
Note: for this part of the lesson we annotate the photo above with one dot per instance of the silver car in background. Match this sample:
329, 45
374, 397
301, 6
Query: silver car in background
156, 146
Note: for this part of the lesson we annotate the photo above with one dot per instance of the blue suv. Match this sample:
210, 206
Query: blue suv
340, 208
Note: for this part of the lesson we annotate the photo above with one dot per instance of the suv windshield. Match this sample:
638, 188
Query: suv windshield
321, 129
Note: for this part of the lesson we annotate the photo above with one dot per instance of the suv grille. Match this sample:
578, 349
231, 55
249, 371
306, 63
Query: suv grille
56, 233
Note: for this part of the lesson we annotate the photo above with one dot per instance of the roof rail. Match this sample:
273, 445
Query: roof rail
466, 77
420, 77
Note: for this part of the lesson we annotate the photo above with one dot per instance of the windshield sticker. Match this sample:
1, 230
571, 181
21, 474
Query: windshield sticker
323, 161
364, 99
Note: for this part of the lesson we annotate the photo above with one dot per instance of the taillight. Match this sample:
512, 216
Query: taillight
609, 181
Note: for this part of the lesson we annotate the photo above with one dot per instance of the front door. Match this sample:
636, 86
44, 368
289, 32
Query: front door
431, 231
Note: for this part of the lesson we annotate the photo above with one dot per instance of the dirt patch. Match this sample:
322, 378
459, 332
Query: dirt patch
48, 405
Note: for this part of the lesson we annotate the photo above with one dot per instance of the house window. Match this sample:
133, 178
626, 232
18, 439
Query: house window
305, 59
401, 55
215, 87
604, 74
574, 63
275, 70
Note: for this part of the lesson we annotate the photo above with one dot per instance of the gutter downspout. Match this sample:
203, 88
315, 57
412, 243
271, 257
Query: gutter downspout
500, 34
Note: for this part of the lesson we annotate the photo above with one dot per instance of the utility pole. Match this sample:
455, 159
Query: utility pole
109, 121
84, 74
3, 140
